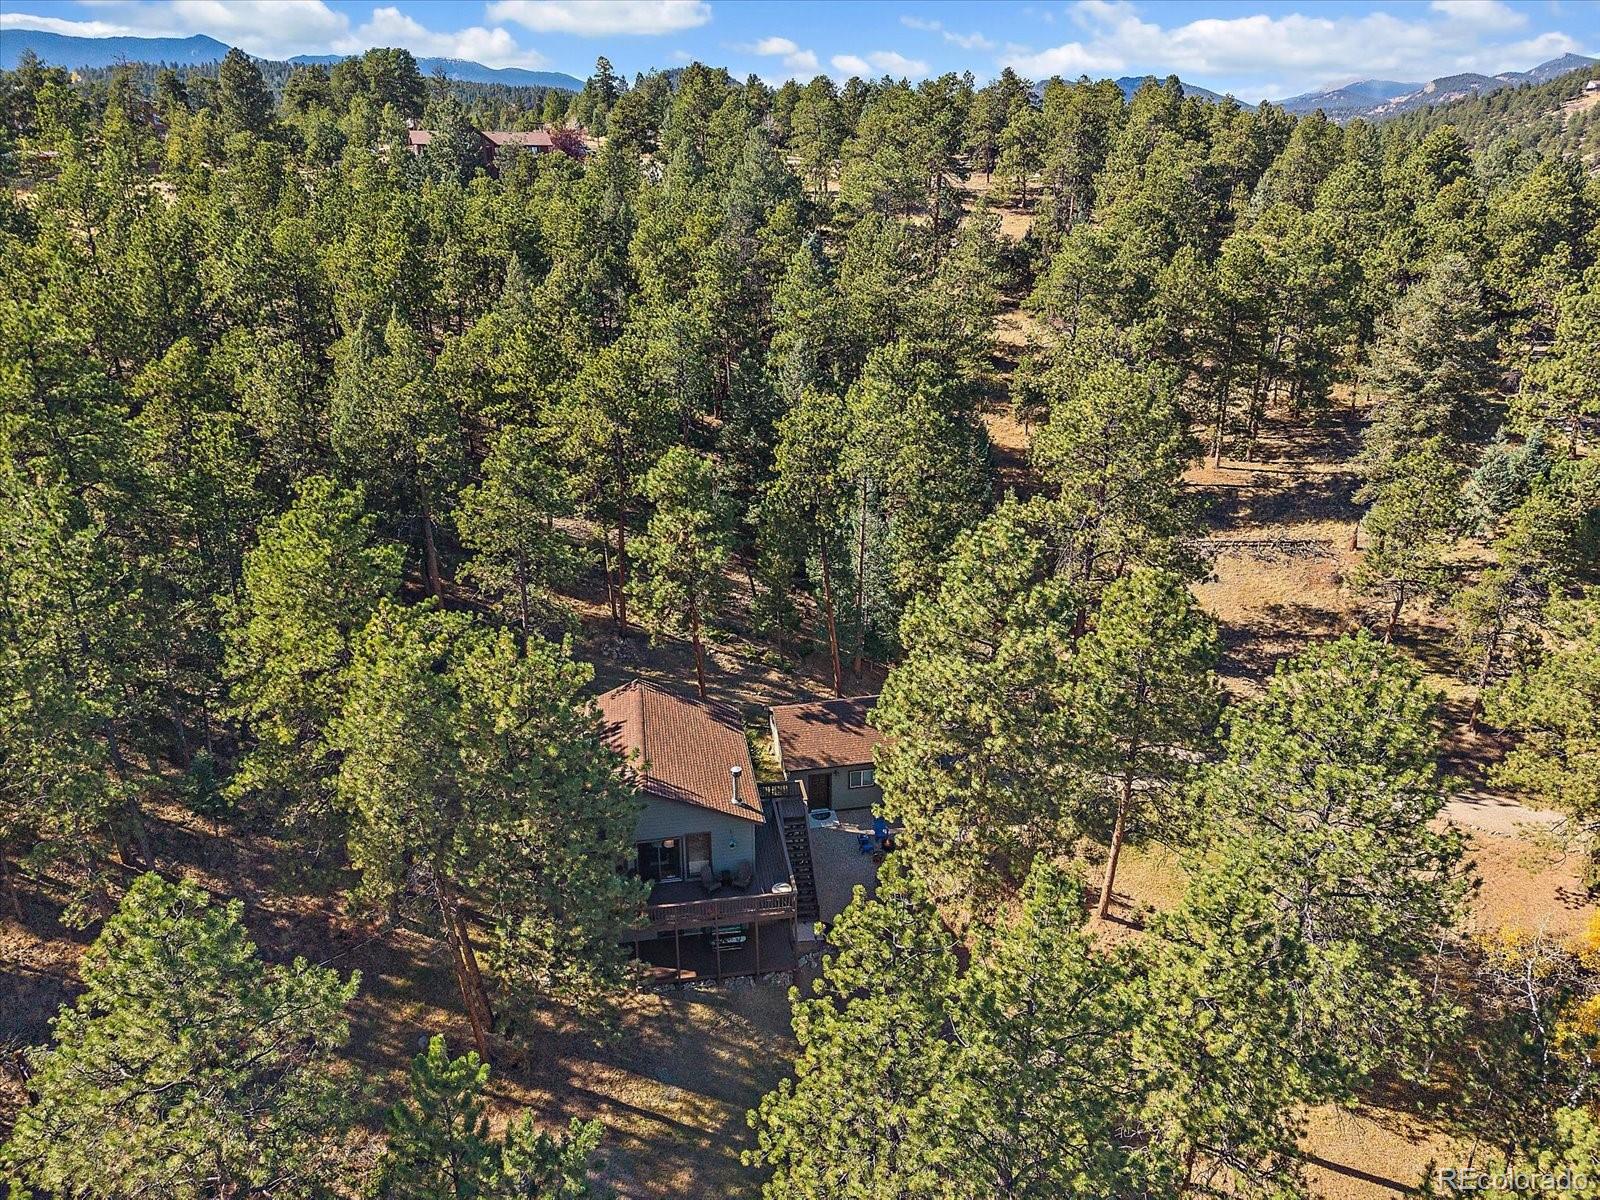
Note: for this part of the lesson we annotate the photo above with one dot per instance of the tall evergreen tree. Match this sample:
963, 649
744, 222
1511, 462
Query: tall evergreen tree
477, 775
684, 551
441, 1148
188, 1067
1145, 696
313, 579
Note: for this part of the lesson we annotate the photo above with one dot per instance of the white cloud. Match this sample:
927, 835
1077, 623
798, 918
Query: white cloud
892, 63
774, 45
280, 29
491, 47
268, 28
879, 62
795, 58
1488, 14
592, 18
17, 20
1252, 53
967, 41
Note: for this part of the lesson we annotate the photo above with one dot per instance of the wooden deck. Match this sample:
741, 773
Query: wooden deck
691, 957
684, 906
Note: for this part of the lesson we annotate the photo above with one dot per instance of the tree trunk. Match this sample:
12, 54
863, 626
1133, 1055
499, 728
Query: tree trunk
699, 650
622, 571
522, 601
1394, 617
1118, 830
180, 735
9, 880
833, 631
465, 965
611, 583
430, 554
1484, 668
622, 541
130, 805
861, 576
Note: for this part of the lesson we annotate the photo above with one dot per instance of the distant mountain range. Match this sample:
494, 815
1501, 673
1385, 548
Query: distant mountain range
1376, 99
63, 50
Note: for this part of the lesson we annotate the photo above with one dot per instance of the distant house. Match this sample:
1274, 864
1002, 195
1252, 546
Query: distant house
1591, 87
723, 897
492, 141
827, 747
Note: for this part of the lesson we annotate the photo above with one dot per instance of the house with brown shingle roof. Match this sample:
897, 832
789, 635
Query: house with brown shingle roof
826, 746
490, 143
707, 842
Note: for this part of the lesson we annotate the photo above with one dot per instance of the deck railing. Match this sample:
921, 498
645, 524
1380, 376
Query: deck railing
725, 910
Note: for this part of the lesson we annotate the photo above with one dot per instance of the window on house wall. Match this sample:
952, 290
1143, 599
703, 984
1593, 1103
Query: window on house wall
865, 777
697, 852
661, 861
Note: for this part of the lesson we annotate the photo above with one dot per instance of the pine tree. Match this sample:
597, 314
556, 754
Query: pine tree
246, 102
1432, 367
1410, 524
1329, 793
508, 522
70, 644
1022, 148
615, 420
393, 427
1218, 1015
1144, 697
1039, 1096
441, 1147
979, 760
188, 1067
1566, 382
684, 551
1115, 450
476, 774
802, 512
1550, 704
309, 585
860, 1116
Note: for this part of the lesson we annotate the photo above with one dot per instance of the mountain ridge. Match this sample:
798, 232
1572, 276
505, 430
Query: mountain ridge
1376, 99
1372, 99
67, 50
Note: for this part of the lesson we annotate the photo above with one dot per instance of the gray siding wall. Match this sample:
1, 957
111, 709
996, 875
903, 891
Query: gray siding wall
844, 796
668, 818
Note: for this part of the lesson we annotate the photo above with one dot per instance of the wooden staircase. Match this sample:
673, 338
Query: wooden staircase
791, 812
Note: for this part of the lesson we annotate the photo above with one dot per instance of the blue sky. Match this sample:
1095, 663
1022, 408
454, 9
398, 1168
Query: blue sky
1252, 48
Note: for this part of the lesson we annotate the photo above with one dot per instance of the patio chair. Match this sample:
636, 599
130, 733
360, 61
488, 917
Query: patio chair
709, 880
744, 874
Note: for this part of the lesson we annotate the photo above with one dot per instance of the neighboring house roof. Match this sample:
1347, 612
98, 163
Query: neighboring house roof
517, 137
536, 139
825, 733
681, 749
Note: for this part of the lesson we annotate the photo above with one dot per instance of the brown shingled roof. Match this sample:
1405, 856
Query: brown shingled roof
519, 137
825, 733
682, 749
